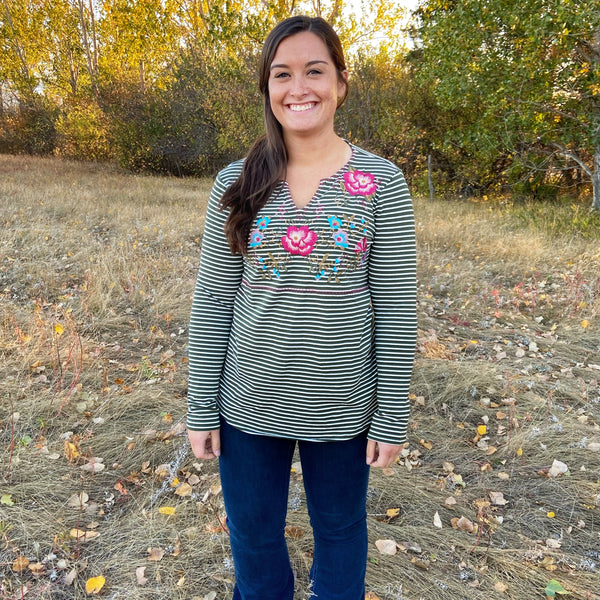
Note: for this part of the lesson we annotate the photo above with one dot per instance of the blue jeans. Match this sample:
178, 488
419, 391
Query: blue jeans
255, 476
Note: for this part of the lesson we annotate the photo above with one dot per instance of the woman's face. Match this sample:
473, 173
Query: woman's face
304, 86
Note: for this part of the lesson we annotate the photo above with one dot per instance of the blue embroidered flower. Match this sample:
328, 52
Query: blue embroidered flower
256, 238
263, 222
334, 222
340, 237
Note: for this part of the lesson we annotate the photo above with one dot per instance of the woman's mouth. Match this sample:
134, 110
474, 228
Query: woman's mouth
301, 107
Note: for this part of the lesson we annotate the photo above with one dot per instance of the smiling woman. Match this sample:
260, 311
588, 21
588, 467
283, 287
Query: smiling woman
305, 88
303, 324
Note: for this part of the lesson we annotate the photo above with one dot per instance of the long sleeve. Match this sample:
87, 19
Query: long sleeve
219, 277
392, 282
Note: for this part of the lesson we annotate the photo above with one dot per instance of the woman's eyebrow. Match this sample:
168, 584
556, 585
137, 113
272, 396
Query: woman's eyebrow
308, 64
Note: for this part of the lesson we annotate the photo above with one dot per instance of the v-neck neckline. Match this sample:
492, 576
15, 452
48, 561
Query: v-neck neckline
322, 182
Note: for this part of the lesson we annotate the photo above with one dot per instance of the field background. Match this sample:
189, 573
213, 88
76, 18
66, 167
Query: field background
97, 269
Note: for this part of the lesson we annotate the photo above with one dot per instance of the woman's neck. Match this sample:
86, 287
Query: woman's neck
311, 151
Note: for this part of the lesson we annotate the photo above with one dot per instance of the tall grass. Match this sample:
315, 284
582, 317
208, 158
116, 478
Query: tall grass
97, 269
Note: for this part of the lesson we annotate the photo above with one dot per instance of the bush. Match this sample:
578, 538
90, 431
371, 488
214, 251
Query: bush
83, 133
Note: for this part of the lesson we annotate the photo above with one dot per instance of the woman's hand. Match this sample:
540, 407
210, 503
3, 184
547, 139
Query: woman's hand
382, 455
205, 444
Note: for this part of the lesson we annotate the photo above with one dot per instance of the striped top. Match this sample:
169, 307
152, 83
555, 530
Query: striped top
312, 335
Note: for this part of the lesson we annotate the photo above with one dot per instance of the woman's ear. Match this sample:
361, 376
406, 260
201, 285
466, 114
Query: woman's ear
343, 86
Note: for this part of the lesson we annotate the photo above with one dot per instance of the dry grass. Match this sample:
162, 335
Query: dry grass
97, 271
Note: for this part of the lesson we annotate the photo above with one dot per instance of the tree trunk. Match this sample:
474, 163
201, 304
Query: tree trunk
430, 178
596, 180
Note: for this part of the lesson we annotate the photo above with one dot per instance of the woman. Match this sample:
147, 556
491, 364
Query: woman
303, 324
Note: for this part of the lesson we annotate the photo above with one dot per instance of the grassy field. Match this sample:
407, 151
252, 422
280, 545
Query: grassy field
496, 495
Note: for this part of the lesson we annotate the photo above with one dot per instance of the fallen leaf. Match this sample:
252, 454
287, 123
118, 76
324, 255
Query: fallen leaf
463, 524
594, 446
167, 510
392, 513
456, 479
501, 587
552, 543
71, 451
420, 563
94, 584
20, 564
437, 522
293, 532
585, 323
554, 588
497, 498
78, 500
557, 468
548, 563
481, 429
450, 501
83, 536
37, 568
184, 490
7, 500
193, 480
140, 576
550, 514
371, 596
59, 329
425, 444
386, 546
155, 554
70, 577
411, 547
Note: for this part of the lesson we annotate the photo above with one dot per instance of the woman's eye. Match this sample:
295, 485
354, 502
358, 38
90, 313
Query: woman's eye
314, 72
281, 75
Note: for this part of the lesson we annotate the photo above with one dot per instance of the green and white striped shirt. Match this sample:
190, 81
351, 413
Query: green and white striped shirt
312, 335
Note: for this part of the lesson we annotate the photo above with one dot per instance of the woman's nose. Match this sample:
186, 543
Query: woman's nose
299, 87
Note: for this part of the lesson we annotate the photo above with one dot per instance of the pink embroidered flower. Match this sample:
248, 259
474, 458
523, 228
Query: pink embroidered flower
361, 247
299, 240
358, 183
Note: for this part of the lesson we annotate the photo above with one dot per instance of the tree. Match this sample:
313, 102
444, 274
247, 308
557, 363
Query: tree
529, 72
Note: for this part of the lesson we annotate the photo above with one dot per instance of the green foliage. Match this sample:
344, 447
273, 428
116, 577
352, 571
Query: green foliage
83, 133
31, 130
526, 74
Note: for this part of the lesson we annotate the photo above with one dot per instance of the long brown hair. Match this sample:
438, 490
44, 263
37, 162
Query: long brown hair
265, 165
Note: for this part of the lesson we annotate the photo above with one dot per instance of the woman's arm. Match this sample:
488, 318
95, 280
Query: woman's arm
392, 283
219, 277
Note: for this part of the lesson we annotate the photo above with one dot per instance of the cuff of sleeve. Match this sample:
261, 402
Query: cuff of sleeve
387, 430
207, 420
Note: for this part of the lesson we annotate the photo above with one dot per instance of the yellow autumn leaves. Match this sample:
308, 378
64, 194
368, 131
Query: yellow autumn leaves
94, 584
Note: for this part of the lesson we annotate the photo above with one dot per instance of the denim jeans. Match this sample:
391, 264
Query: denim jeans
255, 477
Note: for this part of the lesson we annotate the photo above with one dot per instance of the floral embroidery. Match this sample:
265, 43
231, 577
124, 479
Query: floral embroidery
299, 240
262, 223
340, 237
359, 183
334, 222
361, 246
256, 238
